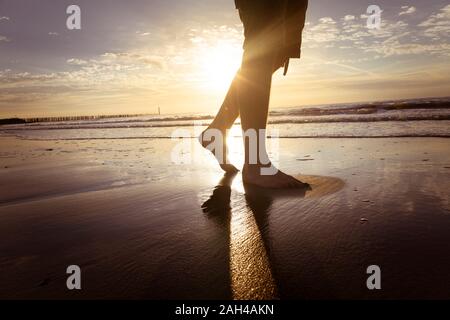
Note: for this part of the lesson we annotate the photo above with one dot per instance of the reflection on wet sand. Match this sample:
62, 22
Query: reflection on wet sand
140, 233
251, 272
218, 209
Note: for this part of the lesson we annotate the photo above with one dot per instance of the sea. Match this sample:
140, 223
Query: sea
426, 117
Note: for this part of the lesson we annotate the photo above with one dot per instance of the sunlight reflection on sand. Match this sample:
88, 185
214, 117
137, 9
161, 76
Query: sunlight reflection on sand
251, 275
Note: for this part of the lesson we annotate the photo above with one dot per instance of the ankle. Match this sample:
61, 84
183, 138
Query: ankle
216, 127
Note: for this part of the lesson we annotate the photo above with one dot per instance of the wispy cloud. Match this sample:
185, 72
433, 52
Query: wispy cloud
326, 30
441, 18
142, 33
407, 10
400, 37
349, 17
76, 62
437, 25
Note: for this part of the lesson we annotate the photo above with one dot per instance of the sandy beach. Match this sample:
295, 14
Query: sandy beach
114, 120
140, 226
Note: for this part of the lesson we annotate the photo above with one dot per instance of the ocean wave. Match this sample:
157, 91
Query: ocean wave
404, 110
377, 129
409, 118
421, 135
429, 115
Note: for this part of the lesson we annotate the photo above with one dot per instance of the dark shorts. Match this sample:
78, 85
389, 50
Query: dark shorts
263, 26
273, 27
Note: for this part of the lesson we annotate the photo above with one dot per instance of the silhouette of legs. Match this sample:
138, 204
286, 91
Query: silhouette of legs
249, 96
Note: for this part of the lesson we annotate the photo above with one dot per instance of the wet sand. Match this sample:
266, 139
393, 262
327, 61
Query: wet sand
140, 226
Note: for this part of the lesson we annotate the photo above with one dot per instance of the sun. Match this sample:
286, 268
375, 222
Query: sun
219, 64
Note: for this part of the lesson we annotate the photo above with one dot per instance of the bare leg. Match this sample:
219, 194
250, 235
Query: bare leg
229, 111
249, 96
224, 121
254, 94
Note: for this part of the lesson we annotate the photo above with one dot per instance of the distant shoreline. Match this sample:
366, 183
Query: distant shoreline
12, 121
363, 108
67, 118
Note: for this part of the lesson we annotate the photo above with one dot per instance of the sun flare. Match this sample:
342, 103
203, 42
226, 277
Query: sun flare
219, 64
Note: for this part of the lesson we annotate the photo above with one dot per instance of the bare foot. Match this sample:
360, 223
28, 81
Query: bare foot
222, 160
251, 174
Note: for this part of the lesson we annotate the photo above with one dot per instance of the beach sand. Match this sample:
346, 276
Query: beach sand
141, 226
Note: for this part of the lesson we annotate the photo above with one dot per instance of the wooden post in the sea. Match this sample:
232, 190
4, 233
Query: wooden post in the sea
159, 111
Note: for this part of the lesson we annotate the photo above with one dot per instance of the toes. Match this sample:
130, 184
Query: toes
298, 184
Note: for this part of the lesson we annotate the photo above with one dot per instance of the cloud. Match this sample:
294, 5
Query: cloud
396, 48
350, 33
8, 77
440, 19
407, 10
76, 62
53, 34
394, 38
110, 74
171, 67
144, 34
437, 25
135, 78
144, 70
326, 30
349, 17
31, 94
135, 58
3, 39
4, 18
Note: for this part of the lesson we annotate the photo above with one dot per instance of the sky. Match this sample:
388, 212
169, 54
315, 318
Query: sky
131, 57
